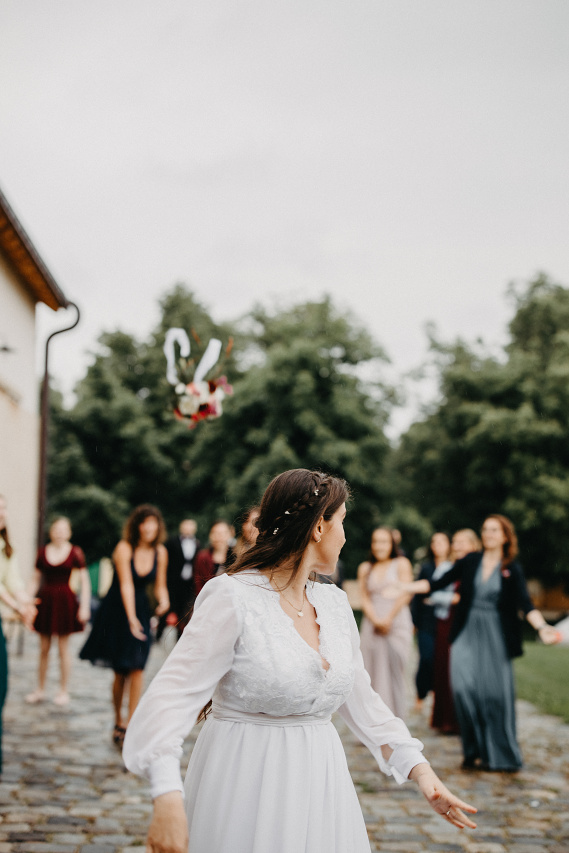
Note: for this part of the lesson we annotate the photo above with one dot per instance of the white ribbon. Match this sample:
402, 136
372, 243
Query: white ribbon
208, 360
175, 336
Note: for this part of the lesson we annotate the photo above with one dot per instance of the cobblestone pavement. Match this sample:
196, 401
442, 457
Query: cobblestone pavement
64, 789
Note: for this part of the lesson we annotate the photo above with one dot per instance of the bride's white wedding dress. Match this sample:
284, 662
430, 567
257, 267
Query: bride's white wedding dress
268, 773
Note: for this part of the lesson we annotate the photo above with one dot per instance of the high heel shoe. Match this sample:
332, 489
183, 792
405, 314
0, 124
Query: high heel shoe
118, 736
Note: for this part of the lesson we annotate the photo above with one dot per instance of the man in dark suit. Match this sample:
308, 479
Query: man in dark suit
182, 550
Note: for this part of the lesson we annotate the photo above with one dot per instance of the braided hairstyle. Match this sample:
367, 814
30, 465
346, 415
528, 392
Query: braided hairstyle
292, 505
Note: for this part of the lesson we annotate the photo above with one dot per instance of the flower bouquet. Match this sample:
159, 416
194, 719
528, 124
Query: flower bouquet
195, 397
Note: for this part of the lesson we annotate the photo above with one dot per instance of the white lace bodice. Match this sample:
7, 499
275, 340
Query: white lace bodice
243, 651
274, 670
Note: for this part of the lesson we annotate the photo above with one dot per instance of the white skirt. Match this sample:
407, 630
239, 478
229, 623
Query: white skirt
259, 784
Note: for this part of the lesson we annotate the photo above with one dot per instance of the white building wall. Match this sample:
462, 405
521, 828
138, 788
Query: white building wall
19, 418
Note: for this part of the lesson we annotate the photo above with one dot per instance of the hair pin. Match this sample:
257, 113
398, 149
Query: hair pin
315, 491
287, 512
276, 530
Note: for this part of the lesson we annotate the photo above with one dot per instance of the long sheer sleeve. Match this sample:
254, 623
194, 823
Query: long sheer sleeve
10, 578
171, 705
375, 725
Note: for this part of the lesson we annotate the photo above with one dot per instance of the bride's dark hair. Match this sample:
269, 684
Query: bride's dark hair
291, 506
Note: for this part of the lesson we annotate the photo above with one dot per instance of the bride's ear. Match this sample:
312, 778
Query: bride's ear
318, 529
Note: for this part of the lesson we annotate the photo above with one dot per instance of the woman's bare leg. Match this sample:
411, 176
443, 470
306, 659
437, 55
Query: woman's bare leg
118, 693
136, 685
64, 664
45, 644
39, 693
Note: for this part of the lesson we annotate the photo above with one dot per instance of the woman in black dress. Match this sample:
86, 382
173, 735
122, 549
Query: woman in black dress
120, 637
423, 614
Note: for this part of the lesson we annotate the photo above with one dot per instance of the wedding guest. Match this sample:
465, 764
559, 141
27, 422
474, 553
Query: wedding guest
423, 613
120, 637
182, 550
13, 602
59, 613
215, 559
445, 600
485, 635
464, 542
249, 532
387, 629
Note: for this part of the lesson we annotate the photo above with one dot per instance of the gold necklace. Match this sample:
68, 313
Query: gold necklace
298, 612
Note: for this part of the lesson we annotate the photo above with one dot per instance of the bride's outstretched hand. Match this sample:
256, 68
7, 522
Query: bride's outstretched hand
168, 832
440, 799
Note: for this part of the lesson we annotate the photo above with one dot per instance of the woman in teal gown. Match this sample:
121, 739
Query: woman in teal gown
485, 636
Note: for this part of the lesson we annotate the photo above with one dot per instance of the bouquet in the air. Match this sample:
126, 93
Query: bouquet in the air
196, 398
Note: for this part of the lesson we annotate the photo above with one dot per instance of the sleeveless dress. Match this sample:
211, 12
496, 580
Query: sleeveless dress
385, 655
268, 773
58, 607
111, 642
483, 681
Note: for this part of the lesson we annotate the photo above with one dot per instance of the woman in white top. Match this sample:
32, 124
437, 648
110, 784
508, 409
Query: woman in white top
277, 655
12, 597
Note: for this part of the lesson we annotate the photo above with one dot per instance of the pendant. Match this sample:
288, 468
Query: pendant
300, 613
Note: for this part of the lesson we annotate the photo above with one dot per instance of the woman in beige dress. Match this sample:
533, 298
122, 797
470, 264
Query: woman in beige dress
387, 628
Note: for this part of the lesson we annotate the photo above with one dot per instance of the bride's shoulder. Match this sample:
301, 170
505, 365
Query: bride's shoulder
329, 592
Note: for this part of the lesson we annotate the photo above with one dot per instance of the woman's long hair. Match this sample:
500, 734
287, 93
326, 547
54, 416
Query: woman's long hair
510, 546
291, 506
131, 530
394, 549
8, 550
430, 554
470, 534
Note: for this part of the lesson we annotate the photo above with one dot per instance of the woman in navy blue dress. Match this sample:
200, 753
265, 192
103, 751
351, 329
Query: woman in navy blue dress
120, 637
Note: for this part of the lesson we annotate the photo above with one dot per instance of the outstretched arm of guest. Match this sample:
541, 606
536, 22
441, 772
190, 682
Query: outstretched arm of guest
547, 633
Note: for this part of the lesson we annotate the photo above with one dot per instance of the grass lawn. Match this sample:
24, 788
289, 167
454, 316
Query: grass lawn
542, 677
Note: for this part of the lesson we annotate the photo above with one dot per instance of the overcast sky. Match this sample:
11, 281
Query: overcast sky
410, 158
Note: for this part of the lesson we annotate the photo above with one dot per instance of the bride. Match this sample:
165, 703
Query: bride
274, 654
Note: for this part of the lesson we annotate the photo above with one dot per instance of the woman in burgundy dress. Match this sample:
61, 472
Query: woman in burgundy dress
216, 559
59, 613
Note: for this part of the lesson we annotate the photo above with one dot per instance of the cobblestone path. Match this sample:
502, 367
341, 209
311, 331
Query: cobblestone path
64, 789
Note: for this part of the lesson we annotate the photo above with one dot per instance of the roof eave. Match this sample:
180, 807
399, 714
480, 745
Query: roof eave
22, 257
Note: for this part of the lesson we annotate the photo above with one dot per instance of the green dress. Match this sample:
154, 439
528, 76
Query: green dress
483, 682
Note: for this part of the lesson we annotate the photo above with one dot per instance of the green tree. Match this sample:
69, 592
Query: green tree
498, 439
299, 401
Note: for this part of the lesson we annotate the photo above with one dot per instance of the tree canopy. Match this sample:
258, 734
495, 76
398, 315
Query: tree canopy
497, 439
299, 400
